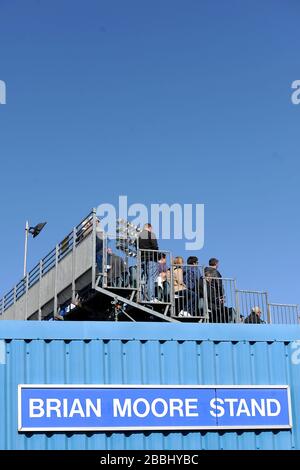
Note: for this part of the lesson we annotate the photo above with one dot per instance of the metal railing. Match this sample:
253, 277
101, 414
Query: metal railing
8, 299
182, 290
20, 289
119, 268
284, 313
83, 229
188, 288
47, 263
252, 302
222, 302
154, 281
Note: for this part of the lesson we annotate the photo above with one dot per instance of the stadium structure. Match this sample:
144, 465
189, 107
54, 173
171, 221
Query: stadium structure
68, 284
202, 366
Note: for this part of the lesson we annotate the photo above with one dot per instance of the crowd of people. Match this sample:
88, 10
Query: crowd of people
194, 294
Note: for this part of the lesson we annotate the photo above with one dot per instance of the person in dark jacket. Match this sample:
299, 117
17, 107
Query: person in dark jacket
212, 271
194, 285
215, 292
212, 267
116, 275
148, 246
255, 316
147, 241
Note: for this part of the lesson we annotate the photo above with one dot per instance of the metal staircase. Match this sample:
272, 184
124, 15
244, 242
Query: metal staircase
62, 275
68, 277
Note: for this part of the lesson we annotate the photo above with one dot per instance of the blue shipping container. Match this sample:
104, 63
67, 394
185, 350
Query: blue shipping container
147, 353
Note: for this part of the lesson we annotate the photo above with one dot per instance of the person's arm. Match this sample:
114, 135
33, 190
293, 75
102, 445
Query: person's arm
180, 278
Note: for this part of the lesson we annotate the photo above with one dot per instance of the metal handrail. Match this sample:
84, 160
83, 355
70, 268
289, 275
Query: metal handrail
283, 305
87, 226
284, 313
251, 291
46, 264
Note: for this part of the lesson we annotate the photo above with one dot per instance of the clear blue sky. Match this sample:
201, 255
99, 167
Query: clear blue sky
164, 101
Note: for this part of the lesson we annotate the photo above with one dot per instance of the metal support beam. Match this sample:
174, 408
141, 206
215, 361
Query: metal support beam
137, 306
15, 299
25, 248
26, 297
268, 309
73, 265
40, 286
55, 280
94, 248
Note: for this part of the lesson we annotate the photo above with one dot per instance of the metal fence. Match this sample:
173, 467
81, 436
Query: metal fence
188, 289
154, 281
184, 291
222, 302
113, 266
83, 229
253, 306
121, 273
284, 313
46, 264
8, 300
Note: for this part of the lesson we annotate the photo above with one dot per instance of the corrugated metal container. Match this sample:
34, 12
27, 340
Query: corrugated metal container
146, 353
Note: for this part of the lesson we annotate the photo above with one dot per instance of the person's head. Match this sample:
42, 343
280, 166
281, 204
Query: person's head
192, 260
256, 310
213, 263
109, 251
162, 258
148, 227
178, 261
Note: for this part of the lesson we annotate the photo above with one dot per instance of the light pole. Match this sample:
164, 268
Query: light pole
26, 245
34, 231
